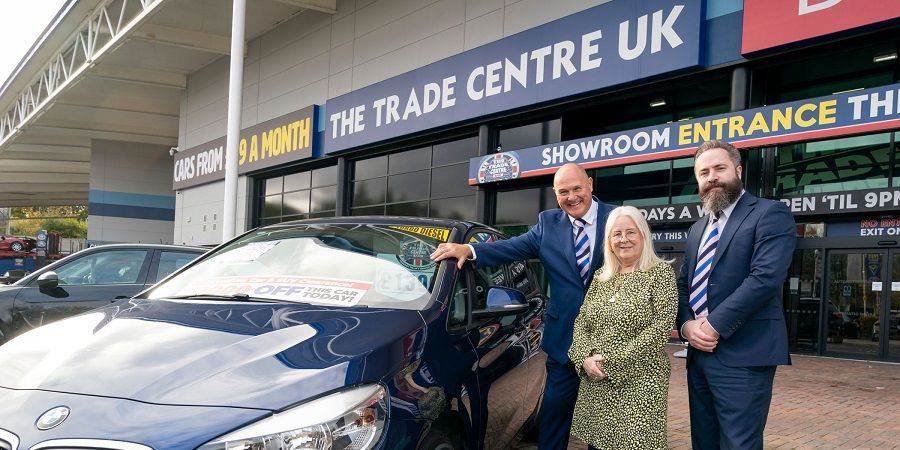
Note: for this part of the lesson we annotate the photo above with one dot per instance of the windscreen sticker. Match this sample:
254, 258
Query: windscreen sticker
403, 280
331, 291
248, 252
440, 234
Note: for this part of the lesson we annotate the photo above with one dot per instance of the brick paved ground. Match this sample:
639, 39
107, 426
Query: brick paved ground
817, 403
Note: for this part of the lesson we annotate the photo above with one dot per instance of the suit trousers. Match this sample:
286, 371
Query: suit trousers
729, 405
558, 405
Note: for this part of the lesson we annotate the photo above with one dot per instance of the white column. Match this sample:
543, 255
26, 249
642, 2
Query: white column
235, 91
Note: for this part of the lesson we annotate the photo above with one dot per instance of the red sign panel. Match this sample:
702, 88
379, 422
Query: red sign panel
770, 23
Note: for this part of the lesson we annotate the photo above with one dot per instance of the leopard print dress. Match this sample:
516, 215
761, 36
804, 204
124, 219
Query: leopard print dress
627, 319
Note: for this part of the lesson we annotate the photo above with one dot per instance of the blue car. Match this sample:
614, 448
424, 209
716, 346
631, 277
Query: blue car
321, 334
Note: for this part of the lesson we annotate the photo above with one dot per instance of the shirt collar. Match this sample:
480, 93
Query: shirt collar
590, 216
726, 213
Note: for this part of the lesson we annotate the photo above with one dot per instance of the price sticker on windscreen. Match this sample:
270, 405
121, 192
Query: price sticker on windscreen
331, 291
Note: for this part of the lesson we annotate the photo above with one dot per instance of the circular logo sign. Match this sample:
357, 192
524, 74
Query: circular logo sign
52, 418
415, 256
498, 167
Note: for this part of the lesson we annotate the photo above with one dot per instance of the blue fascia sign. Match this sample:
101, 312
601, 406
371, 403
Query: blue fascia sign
842, 114
610, 44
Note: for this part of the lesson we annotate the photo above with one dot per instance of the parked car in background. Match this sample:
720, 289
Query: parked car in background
13, 275
86, 280
17, 243
893, 328
333, 333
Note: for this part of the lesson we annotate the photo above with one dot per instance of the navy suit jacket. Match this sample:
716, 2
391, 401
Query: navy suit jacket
551, 241
744, 287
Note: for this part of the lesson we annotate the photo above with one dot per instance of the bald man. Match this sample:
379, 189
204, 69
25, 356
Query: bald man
569, 243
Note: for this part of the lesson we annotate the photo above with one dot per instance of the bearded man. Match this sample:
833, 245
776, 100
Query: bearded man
729, 303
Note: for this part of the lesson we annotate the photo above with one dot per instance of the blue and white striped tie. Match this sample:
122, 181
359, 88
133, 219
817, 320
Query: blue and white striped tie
704, 267
582, 250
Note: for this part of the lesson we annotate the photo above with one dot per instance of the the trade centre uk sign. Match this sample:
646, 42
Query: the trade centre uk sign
841, 114
271, 143
610, 44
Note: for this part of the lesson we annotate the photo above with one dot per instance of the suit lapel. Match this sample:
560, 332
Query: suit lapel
693, 245
741, 210
564, 233
600, 225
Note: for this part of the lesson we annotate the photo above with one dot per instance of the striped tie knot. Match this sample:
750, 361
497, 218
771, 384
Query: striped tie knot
705, 254
582, 249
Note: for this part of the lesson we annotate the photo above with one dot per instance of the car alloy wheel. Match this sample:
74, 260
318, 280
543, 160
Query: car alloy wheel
17, 247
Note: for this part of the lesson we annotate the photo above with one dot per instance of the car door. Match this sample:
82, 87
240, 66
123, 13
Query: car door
167, 261
92, 280
510, 367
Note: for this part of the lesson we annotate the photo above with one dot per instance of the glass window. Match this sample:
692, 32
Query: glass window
109, 267
273, 185
408, 186
460, 208
326, 176
170, 262
369, 192
322, 199
413, 209
296, 181
457, 316
455, 151
296, 203
518, 207
405, 183
370, 168
334, 265
844, 164
409, 161
636, 184
530, 135
272, 206
450, 181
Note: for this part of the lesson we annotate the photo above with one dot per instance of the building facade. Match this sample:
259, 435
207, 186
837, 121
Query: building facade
463, 108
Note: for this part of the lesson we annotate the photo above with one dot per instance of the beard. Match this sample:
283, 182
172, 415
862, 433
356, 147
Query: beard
717, 200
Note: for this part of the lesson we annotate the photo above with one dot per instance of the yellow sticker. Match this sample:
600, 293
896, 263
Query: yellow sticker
440, 234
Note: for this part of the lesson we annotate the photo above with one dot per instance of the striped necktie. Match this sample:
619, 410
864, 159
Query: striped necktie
582, 249
704, 267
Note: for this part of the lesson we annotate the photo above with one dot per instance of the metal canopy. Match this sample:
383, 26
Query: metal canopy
111, 69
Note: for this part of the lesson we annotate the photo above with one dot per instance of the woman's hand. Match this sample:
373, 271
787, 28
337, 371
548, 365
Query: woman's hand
593, 367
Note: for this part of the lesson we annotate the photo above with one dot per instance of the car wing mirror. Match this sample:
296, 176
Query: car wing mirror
502, 301
48, 280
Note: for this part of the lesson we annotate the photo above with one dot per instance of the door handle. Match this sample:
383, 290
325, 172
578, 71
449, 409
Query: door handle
119, 297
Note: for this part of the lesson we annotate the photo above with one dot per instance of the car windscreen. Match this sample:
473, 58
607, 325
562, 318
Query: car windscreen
373, 265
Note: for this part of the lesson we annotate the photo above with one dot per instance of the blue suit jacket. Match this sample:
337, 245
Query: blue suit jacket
744, 287
551, 241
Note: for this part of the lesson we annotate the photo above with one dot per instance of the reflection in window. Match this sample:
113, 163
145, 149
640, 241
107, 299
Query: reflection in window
861, 162
428, 181
297, 196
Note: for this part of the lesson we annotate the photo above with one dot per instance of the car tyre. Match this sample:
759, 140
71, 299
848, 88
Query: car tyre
442, 436
16, 247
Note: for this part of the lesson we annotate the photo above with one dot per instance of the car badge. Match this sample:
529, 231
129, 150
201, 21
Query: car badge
52, 417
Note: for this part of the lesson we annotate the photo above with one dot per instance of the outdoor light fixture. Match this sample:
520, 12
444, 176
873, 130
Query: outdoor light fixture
657, 103
885, 57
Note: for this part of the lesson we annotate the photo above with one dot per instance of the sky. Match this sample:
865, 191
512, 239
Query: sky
21, 22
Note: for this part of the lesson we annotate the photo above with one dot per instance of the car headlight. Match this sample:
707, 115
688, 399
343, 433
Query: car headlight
353, 419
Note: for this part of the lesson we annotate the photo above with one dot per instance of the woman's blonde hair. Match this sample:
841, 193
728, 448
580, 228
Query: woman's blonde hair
648, 256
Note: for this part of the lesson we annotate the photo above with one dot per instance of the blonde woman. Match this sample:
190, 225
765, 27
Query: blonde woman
618, 342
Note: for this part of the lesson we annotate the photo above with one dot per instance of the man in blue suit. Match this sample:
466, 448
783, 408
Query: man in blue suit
729, 303
578, 224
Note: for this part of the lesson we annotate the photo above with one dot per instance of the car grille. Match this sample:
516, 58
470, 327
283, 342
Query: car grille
88, 444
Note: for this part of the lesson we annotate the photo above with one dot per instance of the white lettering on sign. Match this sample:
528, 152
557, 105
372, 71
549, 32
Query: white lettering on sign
561, 59
803, 6
607, 146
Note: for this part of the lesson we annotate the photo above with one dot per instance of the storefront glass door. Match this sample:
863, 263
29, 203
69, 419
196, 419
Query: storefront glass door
857, 281
892, 330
